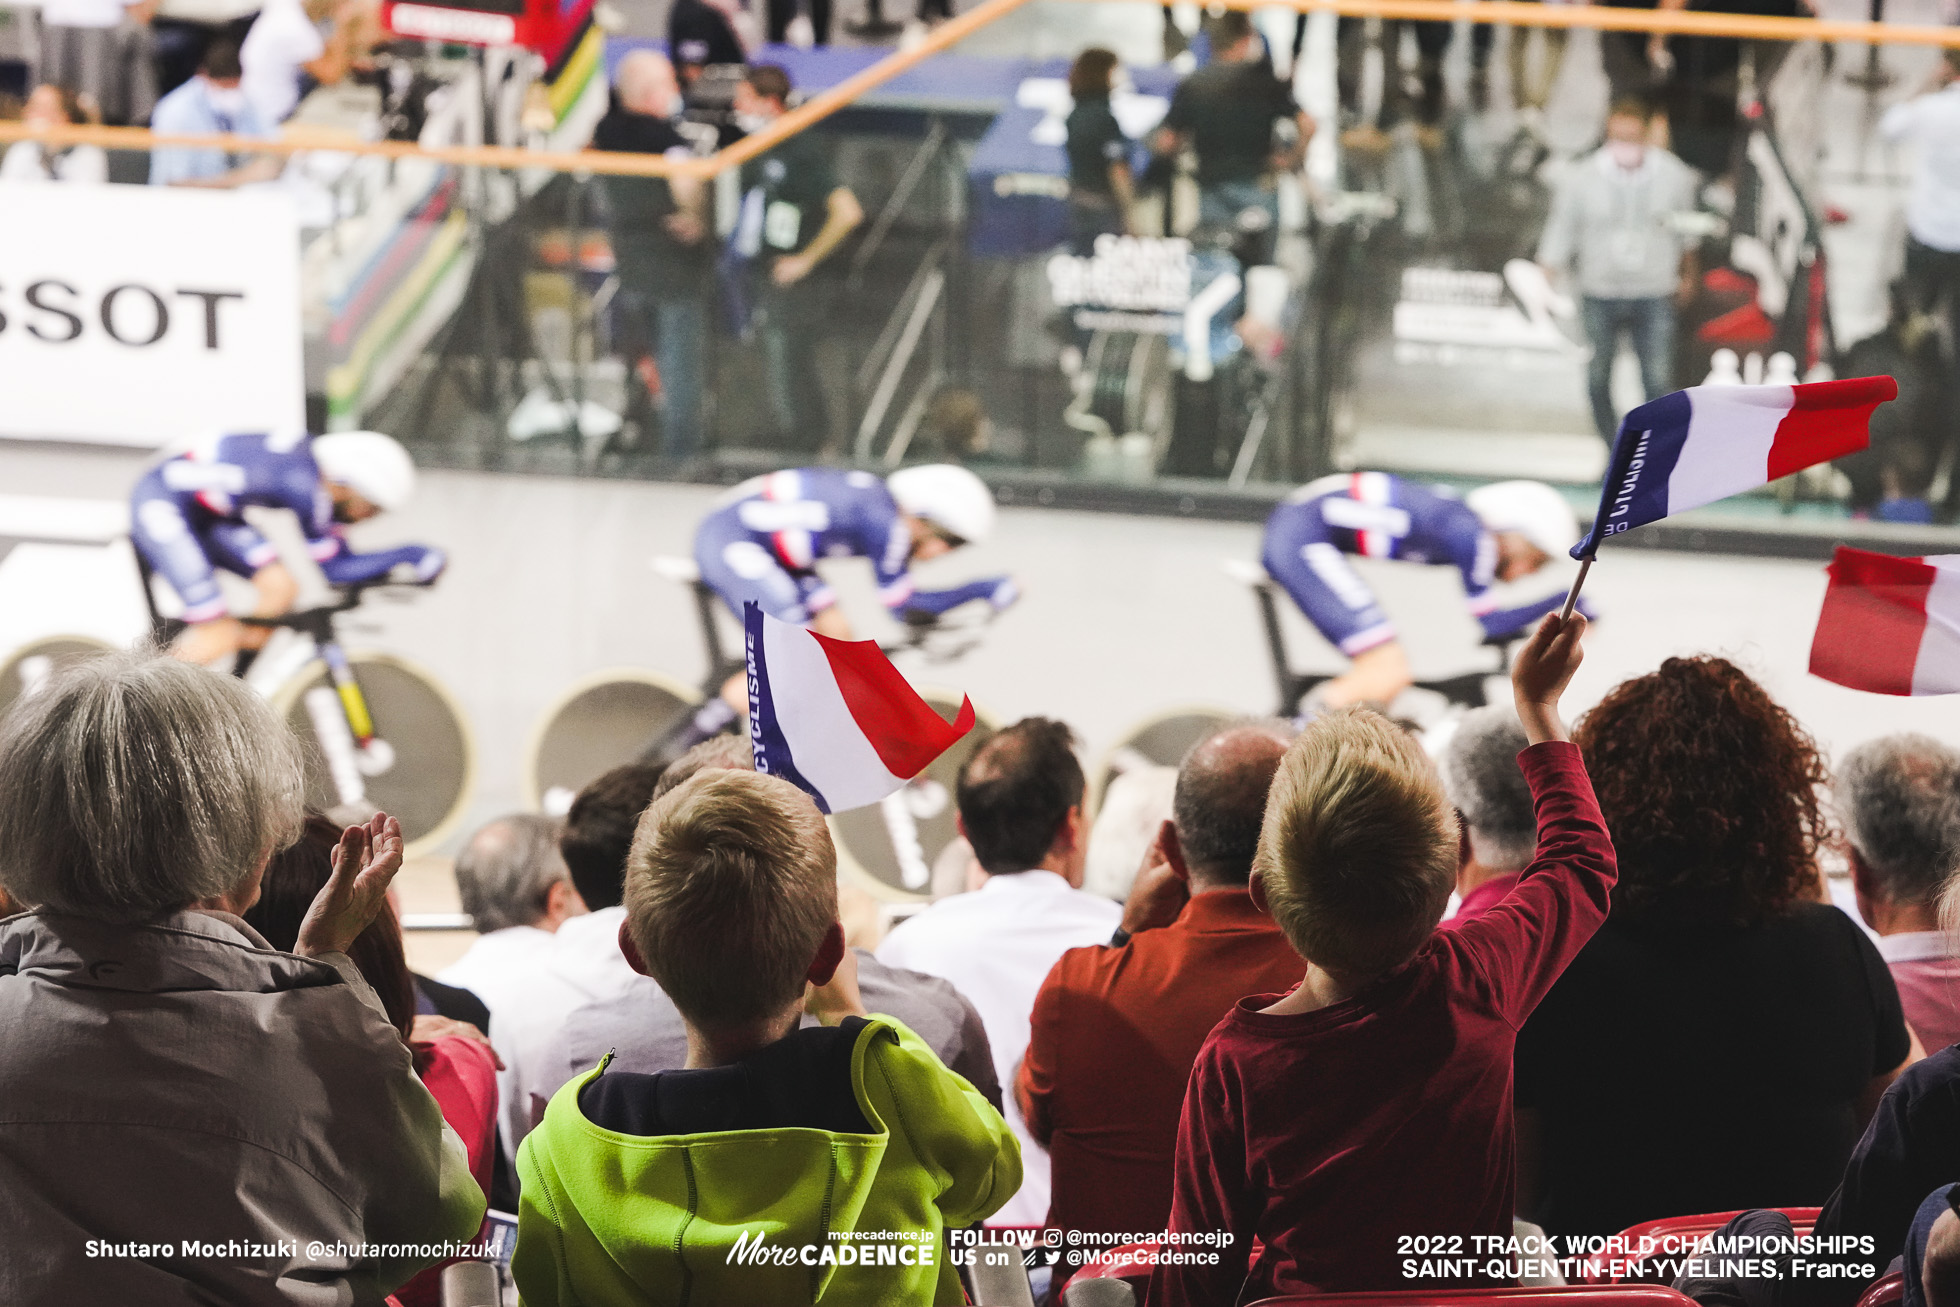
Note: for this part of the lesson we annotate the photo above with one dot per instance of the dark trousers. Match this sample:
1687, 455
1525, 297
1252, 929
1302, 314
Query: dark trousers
1649, 323
782, 11
659, 316
788, 319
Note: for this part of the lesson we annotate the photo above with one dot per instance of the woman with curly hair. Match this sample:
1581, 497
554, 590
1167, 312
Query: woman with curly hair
1723, 1039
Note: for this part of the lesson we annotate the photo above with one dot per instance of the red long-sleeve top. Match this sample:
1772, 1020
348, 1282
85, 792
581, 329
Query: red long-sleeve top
1331, 1137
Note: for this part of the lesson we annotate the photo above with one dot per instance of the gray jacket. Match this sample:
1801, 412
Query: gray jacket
1616, 224
182, 1082
645, 1028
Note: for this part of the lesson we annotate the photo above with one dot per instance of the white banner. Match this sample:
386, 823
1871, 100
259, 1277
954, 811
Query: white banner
140, 315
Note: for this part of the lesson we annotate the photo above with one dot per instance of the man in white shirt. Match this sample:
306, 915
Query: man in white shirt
583, 963
285, 44
514, 885
210, 104
1020, 806
1930, 123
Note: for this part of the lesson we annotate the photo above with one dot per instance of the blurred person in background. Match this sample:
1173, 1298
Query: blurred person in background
700, 34
453, 1062
286, 55
1899, 800
213, 103
1019, 798
1481, 775
30, 161
514, 884
1930, 123
1130, 817
167, 1073
1101, 190
99, 51
795, 213
1228, 114
1723, 1040
1117, 1027
661, 244
1611, 228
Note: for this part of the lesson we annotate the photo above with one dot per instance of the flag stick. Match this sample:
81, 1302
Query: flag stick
1572, 596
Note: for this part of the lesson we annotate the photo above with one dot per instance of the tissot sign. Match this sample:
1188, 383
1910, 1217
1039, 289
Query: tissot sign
139, 315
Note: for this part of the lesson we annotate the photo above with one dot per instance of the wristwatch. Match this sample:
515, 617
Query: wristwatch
1120, 938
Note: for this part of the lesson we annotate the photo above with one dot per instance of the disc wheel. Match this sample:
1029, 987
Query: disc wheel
1161, 740
26, 668
890, 847
604, 721
429, 764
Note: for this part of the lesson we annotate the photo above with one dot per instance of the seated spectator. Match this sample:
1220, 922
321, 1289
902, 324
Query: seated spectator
1500, 831
1899, 798
100, 52
211, 104
31, 161
643, 1188
1020, 805
518, 892
1375, 1099
284, 55
453, 1062
1116, 1029
1722, 1041
640, 1029
166, 1072
584, 962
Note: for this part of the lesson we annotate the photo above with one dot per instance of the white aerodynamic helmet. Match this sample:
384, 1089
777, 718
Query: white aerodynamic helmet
1532, 509
948, 497
374, 466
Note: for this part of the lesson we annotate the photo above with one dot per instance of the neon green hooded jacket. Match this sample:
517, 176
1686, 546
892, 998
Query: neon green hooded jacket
761, 1216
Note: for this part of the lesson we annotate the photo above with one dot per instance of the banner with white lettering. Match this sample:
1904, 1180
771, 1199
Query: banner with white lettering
139, 315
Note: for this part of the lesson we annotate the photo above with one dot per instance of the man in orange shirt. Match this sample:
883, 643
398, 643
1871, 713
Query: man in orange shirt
1117, 1027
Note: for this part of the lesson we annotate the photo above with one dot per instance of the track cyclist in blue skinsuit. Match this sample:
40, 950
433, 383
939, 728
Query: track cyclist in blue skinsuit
762, 541
1497, 533
187, 521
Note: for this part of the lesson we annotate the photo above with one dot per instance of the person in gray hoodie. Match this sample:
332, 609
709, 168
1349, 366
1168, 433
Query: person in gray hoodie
188, 1116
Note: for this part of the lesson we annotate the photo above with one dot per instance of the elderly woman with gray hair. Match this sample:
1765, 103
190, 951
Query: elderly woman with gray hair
190, 1116
1899, 800
1500, 828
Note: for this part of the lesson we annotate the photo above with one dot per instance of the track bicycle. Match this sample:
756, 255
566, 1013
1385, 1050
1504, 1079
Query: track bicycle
619, 715
378, 732
1465, 690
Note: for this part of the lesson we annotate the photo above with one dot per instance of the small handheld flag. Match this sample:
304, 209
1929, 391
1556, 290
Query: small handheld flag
1709, 442
1702, 444
1890, 625
834, 717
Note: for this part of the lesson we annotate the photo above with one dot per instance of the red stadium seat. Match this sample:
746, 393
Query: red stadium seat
1619, 1295
1886, 1291
1693, 1227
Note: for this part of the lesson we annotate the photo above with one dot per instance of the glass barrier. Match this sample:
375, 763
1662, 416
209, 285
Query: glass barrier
1398, 295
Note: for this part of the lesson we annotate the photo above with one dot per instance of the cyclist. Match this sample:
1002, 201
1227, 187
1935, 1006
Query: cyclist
1499, 532
187, 520
762, 541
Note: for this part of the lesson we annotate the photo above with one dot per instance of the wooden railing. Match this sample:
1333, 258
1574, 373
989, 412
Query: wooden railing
841, 96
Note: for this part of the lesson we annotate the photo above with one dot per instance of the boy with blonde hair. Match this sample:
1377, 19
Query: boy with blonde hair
782, 1165
1373, 1103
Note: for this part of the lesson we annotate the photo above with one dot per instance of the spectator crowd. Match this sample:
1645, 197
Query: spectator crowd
1354, 992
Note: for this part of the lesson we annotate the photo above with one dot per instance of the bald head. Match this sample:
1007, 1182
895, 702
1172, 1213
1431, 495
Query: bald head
646, 84
506, 872
1220, 801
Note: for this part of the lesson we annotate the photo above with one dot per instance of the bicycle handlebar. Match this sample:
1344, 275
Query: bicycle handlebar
346, 599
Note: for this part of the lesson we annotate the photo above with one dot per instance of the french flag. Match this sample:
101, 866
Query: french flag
1709, 442
1890, 625
834, 717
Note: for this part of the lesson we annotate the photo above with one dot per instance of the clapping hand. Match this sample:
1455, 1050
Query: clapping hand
364, 862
